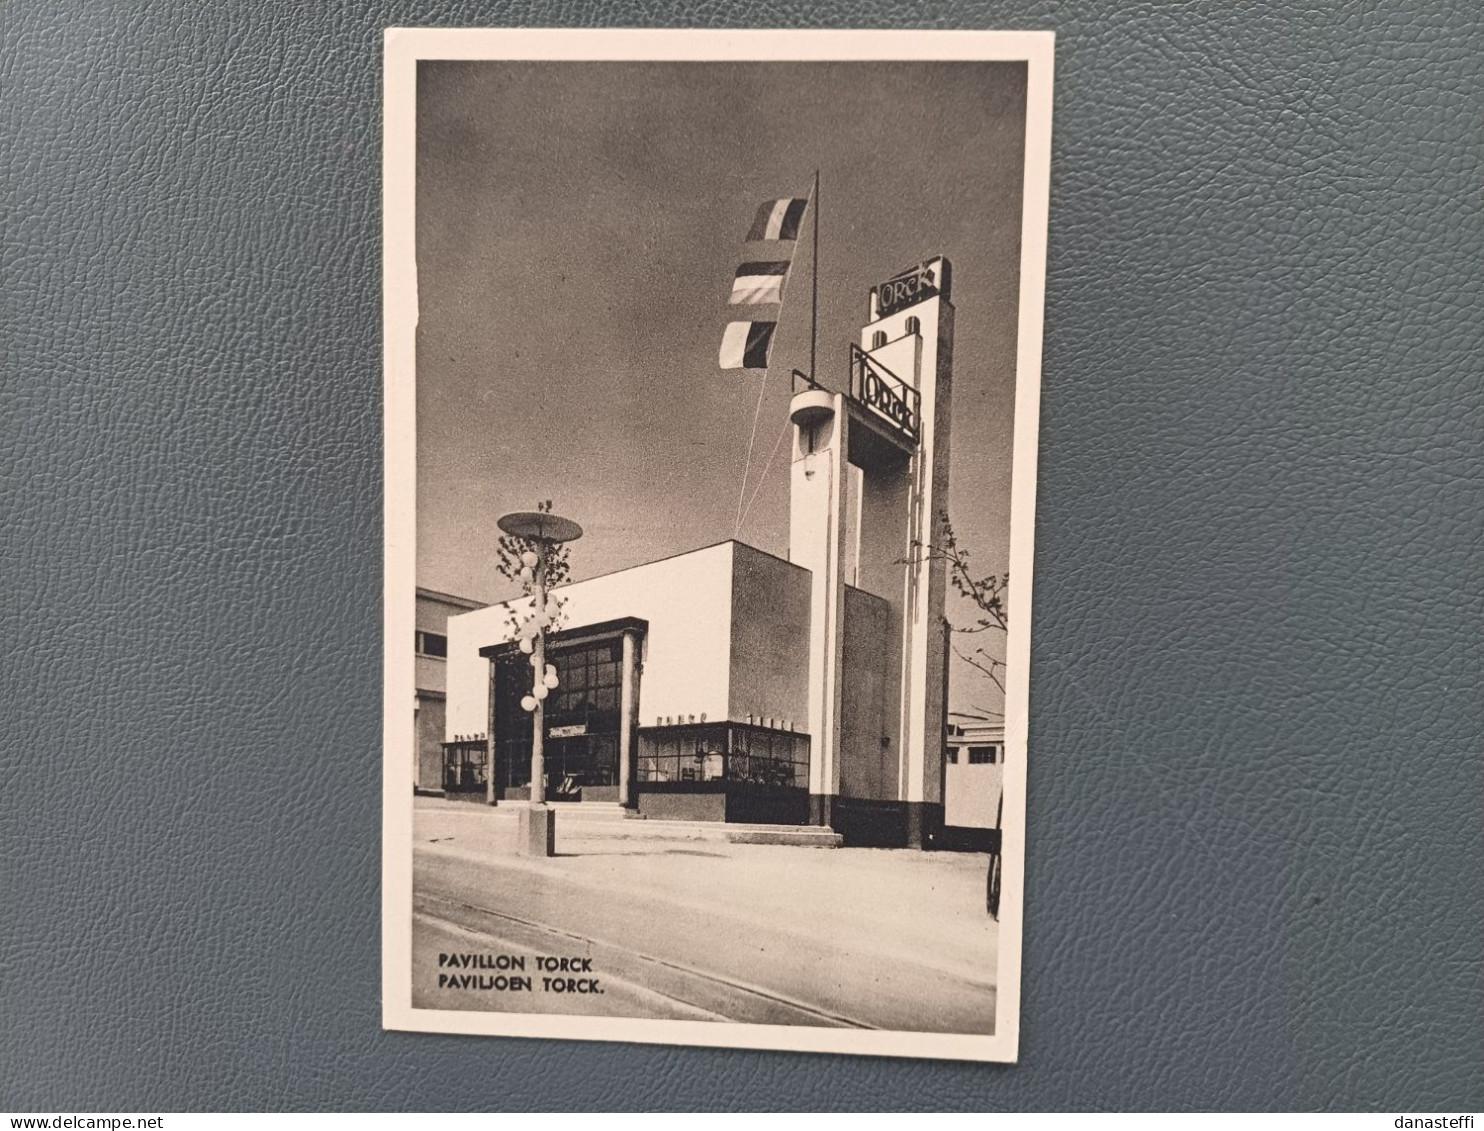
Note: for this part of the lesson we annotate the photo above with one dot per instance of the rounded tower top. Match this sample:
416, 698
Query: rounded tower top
811, 407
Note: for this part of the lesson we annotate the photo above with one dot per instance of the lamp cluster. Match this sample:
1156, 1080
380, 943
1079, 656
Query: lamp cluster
544, 677
544, 685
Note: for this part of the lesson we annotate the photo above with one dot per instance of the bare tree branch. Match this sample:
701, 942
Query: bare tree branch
988, 594
988, 669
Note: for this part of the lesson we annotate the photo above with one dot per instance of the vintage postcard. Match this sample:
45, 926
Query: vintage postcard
712, 376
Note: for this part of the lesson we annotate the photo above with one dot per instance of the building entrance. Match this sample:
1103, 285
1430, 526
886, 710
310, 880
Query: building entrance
582, 722
584, 768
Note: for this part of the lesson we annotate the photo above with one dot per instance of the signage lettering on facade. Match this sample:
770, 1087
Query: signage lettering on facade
888, 402
921, 282
572, 731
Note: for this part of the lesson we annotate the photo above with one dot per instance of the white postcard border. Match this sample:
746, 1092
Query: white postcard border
404, 47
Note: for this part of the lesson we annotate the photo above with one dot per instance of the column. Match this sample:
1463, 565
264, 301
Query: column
489, 738
626, 723
817, 541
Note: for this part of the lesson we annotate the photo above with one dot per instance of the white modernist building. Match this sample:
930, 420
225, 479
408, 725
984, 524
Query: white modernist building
729, 684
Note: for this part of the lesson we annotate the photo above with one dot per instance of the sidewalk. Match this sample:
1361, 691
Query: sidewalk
780, 934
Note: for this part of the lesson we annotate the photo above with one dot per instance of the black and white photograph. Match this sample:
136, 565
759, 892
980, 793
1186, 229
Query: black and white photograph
712, 379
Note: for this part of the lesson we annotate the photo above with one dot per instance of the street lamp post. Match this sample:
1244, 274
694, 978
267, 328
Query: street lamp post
538, 713
543, 531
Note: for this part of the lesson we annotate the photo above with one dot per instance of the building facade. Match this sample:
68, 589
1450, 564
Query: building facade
973, 778
729, 684
429, 714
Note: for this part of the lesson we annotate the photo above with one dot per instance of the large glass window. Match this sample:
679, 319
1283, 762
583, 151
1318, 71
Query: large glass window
721, 752
582, 716
590, 682
512, 721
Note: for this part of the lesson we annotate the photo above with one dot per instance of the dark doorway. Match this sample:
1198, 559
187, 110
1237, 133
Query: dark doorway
584, 763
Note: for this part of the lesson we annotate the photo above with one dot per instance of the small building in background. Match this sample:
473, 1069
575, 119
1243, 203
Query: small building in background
973, 776
430, 646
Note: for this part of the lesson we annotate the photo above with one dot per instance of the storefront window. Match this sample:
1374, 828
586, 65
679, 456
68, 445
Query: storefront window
724, 752
464, 766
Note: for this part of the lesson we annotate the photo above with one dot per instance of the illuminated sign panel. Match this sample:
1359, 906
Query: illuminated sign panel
933, 277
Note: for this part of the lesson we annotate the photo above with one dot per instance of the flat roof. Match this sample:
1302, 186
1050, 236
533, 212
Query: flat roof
577, 634
681, 554
642, 565
449, 598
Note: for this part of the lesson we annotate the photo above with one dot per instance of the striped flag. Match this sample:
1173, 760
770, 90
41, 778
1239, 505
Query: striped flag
779, 219
744, 345
759, 282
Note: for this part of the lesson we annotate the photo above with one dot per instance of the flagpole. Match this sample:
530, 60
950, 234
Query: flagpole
813, 378
814, 278
743, 504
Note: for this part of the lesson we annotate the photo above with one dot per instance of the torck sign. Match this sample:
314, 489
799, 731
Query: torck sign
912, 286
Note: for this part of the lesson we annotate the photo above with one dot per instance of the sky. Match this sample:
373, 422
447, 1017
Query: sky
578, 227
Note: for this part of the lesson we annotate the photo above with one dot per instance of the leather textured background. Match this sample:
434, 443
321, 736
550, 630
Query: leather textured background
1254, 855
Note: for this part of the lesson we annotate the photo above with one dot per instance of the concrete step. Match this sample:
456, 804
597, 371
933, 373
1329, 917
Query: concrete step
814, 836
580, 810
589, 819
569, 810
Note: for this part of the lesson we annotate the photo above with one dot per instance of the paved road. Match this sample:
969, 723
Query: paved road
701, 930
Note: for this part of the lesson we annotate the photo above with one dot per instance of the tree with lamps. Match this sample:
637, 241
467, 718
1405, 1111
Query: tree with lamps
533, 553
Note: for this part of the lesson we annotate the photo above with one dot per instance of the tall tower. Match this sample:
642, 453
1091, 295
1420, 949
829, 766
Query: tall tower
868, 491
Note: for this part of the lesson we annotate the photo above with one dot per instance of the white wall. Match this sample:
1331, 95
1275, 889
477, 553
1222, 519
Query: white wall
971, 794
687, 601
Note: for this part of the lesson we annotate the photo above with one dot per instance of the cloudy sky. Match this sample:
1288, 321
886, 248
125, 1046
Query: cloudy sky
578, 228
